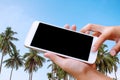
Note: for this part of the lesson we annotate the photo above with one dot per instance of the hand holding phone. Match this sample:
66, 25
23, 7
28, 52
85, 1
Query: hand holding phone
46, 37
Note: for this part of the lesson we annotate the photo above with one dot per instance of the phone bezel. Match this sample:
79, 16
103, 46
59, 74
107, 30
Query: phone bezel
92, 55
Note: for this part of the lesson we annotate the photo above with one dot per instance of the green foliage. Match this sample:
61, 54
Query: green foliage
7, 39
57, 72
6, 43
0, 41
49, 76
106, 63
33, 61
15, 60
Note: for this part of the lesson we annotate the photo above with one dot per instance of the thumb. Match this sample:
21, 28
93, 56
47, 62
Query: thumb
99, 42
115, 49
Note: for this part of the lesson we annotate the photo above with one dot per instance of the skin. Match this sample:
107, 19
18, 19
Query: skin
104, 33
81, 70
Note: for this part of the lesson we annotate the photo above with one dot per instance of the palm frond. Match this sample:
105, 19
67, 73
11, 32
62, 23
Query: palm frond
33, 61
105, 62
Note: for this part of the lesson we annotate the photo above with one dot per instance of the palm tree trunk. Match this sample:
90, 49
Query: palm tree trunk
11, 74
30, 75
1, 63
115, 76
53, 71
66, 77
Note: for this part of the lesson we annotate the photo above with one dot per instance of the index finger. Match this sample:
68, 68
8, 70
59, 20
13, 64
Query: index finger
92, 27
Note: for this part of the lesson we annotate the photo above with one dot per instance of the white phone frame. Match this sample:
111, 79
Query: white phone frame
31, 33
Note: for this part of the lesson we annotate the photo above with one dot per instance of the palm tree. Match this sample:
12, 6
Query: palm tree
0, 38
6, 43
49, 76
62, 74
15, 61
106, 63
33, 62
57, 72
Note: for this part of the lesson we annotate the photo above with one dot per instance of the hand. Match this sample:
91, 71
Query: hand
104, 33
73, 67
79, 70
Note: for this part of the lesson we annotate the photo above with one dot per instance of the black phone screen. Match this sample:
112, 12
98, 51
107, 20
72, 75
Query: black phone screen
62, 41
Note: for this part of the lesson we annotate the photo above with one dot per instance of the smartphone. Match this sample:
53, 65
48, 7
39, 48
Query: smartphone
63, 42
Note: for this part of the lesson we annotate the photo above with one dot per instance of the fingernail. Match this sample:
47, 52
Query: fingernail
46, 55
113, 52
87, 32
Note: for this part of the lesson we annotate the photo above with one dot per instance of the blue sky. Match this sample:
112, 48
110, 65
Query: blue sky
19, 14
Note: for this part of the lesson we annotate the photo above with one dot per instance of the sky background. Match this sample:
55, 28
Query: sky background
19, 14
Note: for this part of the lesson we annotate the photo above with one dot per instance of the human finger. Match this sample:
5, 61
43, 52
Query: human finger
96, 34
73, 27
66, 26
99, 42
87, 32
92, 27
115, 49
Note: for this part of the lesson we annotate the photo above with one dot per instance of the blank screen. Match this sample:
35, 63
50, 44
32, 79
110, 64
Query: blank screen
62, 41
